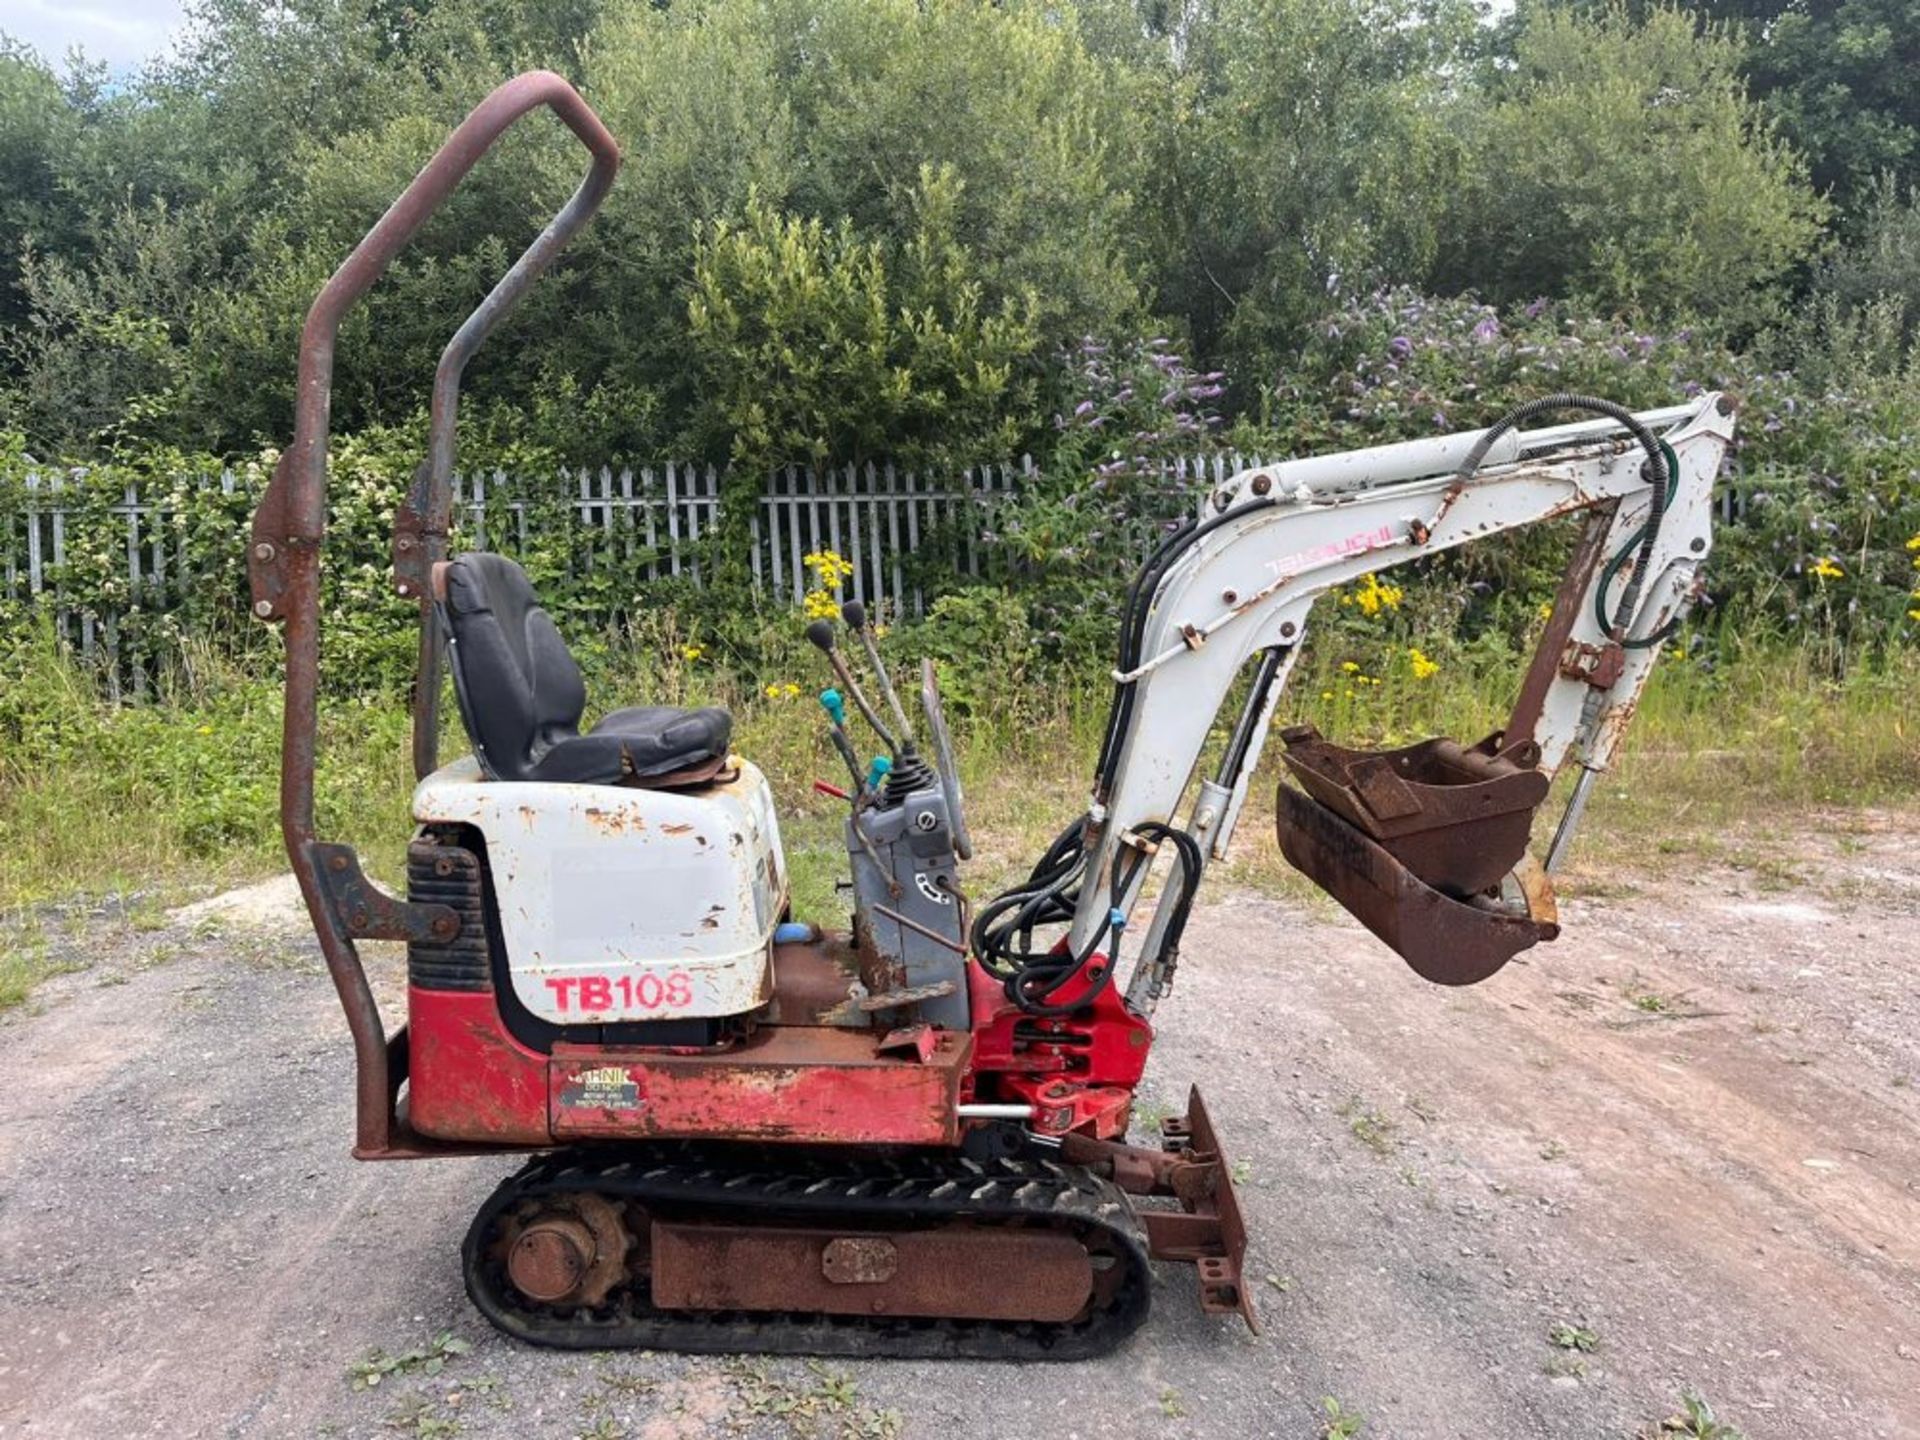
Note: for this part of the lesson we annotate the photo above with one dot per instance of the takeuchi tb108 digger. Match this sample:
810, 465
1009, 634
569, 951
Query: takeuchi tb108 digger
910, 1138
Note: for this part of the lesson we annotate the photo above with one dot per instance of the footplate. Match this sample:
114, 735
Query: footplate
1447, 941
1206, 1231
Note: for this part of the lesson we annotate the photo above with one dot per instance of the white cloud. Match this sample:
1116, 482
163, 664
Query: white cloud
123, 33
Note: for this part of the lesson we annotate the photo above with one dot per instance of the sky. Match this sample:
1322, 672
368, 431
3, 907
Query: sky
121, 33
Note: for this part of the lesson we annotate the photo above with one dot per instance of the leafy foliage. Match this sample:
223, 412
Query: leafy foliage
1622, 162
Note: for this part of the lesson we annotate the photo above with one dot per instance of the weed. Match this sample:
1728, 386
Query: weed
830, 1397
428, 1359
414, 1415
1573, 1337
1170, 1403
1340, 1423
1240, 1172
1553, 1150
1369, 1126
605, 1428
26, 960
1694, 1420
1282, 1283
1563, 1363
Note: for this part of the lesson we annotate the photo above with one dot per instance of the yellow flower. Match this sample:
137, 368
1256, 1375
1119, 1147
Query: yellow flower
1914, 543
691, 652
781, 690
1545, 610
1326, 694
1825, 569
1350, 667
1423, 667
829, 567
820, 605
1372, 597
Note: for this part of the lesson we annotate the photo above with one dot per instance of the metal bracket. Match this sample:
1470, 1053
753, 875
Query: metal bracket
1601, 666
366, 912
412, 554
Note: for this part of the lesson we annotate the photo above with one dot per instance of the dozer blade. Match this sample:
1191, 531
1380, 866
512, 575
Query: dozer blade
1447, 941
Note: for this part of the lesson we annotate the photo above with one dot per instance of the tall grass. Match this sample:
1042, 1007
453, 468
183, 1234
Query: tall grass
180, 794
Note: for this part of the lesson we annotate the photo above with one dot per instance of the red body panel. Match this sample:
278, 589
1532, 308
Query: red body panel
471, 1081
804, 1084
468, 1079
1078, 1073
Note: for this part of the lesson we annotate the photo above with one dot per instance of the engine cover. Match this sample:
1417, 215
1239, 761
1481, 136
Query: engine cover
623, 904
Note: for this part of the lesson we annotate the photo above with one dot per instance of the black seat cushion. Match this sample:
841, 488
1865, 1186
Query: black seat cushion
521, 693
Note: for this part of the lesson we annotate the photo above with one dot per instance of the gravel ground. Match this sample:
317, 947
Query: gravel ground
1688, 1129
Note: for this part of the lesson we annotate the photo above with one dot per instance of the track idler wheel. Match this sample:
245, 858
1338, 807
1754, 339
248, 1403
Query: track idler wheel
569, 1250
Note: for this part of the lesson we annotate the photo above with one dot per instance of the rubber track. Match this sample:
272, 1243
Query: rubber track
852, 1191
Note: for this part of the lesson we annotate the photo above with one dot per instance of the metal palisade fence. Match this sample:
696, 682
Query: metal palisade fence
125, 567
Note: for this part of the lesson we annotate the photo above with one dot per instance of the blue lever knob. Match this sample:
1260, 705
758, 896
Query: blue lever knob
835, 704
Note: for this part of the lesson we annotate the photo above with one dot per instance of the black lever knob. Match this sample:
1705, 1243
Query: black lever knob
820, 633
855, 614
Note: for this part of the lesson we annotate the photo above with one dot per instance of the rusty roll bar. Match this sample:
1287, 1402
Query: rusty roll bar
283, 555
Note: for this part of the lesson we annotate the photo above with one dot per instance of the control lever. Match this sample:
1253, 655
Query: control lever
949, 772
820, 633
855, 614
835, 705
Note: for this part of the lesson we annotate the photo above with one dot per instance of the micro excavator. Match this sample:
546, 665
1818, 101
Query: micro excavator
912, 1137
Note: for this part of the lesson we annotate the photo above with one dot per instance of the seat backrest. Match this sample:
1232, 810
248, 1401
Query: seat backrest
518, 686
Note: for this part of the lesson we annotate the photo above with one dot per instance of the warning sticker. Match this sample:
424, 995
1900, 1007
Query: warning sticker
608, 1088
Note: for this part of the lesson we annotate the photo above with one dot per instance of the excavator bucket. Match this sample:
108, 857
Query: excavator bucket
1426, 846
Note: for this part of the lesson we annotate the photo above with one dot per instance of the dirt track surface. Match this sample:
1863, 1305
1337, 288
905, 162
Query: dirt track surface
1691, 1127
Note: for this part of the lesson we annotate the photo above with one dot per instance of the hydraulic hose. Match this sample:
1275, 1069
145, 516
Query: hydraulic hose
1658, 477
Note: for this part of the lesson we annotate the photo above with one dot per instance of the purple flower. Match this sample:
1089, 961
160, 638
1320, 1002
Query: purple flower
1536, 309
1487, 329
1083, 409
1400, 347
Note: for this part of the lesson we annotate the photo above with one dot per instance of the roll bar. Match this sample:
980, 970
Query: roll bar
283, 566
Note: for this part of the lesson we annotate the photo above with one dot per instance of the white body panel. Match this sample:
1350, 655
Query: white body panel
625, 904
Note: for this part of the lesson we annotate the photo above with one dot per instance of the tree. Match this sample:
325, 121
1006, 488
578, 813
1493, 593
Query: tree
1303, 147
1623, 162
1842, 78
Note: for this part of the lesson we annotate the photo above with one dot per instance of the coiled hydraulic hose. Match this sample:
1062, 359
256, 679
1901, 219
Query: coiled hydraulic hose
1003, 932
1659, 477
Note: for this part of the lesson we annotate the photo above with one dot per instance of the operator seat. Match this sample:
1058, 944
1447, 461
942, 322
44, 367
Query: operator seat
521, 693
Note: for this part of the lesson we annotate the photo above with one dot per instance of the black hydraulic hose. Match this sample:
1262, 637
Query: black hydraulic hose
1658, 477
1133, 623
1050, 896
1613, 567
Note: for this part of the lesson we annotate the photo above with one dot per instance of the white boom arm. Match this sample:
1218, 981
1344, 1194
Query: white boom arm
1245, 587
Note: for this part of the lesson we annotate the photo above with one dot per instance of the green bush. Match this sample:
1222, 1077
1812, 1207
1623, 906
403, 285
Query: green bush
1622, 162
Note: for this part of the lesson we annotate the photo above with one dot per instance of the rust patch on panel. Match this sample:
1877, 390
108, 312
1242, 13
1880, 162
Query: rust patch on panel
960, 1271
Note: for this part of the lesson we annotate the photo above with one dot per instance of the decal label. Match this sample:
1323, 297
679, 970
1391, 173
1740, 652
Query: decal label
595, 994
608, 1088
